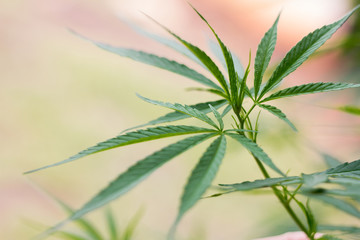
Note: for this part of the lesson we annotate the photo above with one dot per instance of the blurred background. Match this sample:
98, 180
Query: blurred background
60, 94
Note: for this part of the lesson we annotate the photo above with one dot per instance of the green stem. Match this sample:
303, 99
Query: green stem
247, 114
282, 200
276, 191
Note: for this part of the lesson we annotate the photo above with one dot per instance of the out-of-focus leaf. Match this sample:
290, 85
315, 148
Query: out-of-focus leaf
346, 169
337, 203
355, 110
163, 40
311, 180
111, 225
330, 160
130, 229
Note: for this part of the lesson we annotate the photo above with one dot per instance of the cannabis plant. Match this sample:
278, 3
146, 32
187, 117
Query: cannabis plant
232, 89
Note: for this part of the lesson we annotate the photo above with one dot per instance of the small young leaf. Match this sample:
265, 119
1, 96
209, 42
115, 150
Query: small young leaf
133, 176
277, 112
262, 183
201, 55
183, 109
201, 177
131, 138
175, 116
263, 55
309, 89
303, 49
157, 61
217, 116
256, 151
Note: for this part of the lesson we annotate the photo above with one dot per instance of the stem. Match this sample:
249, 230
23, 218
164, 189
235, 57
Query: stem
283, 201
247, 114
276, 191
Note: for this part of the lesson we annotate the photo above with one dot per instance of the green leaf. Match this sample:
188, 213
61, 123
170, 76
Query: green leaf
234, 82
330, 160
133, 176
163, 40
303, 49
352, 193
111, 224
311, 180
201, 55
345, 169
347, 181
210, 90
277, 112
346, 229
193, 112
131, 138
329, 237
239, 130
226, 110
201, 177
256, 151
310, 217
157, 61
217, 116
337, 203
87, 227
175, 116
70, 236
263, 55
309, 89
262, 183
216, 49
355, 110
